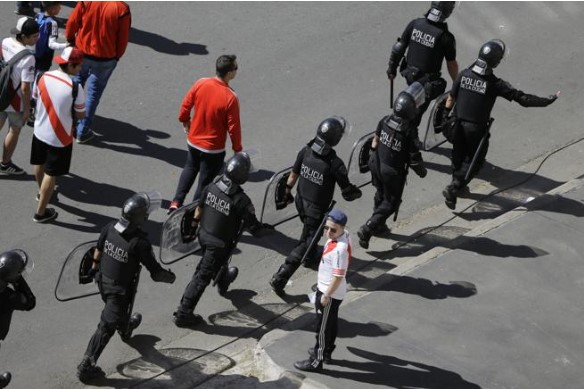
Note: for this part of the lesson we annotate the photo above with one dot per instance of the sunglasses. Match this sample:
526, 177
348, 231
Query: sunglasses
333, 229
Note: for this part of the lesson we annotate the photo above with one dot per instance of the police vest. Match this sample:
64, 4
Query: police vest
118, 260
393, 147
317, 182
219, 217
425, 50
476, 97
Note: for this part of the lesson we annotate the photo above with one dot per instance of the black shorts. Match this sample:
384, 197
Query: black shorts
57, 160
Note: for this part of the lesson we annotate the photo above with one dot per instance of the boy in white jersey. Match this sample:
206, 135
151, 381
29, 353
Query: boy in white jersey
332, 288
58, 100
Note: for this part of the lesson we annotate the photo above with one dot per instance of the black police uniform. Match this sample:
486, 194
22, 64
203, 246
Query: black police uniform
396, 150
475, 96
317, 176
122, 254
223, 213
428, 43
16, 296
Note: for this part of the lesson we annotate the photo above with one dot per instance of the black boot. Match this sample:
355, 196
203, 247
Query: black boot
449, 194
364, 235
382, 230
133, 323
280, 279
182, 319
88, 370
5, 379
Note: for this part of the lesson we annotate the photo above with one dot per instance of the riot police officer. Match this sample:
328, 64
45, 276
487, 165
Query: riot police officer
224, 212
475, 90
427, 42
317, 169
15, 294
121, 248
393, 150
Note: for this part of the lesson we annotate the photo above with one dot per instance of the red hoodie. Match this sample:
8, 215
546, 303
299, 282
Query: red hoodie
216, 114
100, 29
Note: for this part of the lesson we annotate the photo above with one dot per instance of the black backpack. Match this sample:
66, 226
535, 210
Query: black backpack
6, 90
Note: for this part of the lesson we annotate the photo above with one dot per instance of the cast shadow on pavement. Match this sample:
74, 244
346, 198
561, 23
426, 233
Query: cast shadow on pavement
388, 371
123, 137
422, 287
165, 45
260, 175
430, 237
273, 240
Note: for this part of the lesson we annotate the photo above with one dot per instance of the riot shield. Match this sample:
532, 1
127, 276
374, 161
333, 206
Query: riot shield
357, 167
432, 138
274, 194
177, 239
69, 285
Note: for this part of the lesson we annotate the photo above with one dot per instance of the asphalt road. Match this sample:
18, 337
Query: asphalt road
298, 64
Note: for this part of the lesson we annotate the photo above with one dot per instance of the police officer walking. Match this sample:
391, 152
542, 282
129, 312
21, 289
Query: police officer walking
475, 90
121, 248
427, 42
393, 151
15, 294
317, 169
223, 213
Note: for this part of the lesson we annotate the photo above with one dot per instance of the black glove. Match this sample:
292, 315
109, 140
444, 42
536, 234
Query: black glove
288, 199
191, 232
351, 193
391, 70
261, 229
165, 276
27, 298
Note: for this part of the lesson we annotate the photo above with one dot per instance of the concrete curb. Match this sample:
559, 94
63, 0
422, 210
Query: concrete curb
272, 371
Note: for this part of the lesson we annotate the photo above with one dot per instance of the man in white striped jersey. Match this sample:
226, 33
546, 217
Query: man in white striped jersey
332, 288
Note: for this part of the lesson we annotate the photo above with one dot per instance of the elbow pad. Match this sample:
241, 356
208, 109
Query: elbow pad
397, 53
527, 100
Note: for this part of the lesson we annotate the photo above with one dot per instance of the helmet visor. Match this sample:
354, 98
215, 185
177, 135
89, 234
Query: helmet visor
416, 90
254, 156
154, 200
346, 125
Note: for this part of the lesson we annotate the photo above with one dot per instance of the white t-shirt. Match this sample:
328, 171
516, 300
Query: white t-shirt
334, 263
54, 122
23, 71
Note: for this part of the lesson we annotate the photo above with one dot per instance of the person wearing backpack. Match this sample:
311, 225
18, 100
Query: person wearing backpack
16, 108
60, 100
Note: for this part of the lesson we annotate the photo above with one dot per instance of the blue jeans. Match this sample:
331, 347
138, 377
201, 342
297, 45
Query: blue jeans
93, 76
209, 165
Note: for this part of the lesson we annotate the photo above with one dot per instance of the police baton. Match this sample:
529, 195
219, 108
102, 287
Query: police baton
479, 150
316, 237
401, 192
134, 291
223, 268
391, 94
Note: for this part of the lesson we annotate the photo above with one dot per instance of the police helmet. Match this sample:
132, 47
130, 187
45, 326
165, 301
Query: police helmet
136, 210
407, 103
331, 130
12, 264
238, 167
440, 10
492, 52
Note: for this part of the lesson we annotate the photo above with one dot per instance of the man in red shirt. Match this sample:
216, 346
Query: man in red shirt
216, 114
100, 29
